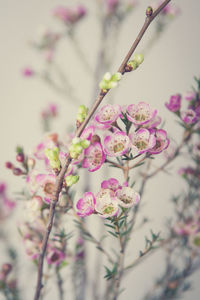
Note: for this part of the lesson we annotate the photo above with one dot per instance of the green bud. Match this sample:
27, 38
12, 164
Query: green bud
80, 118
53, 157
82, 113
139, 58
71, 179
116, 77
110, 81
133, 64
85, 144
83, 109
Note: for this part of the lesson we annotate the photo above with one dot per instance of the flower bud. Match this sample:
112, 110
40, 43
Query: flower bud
17, 171
139, 58
8, 165
31, 162
20, 157
71, 179
53, 157
149, 11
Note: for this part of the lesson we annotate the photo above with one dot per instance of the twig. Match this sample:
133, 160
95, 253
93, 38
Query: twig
60, 177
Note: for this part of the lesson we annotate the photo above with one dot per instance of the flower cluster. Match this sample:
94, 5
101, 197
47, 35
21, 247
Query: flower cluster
190, 228
108, 201
140, 135
6, 205
119, 7
189, 116
69, 16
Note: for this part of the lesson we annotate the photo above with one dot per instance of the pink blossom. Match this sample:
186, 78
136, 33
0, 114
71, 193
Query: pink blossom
174, 104
27, 72
153, 123
170, 10
142, 140
190, 96
85, 206
112, 5
111, 184
6, 205
55, 256
127, 197
68, 15
189, 116
48, 184
108, 114
141, 113
94, 157
116, 144
88, 132
50, 111
162, 142
106, 205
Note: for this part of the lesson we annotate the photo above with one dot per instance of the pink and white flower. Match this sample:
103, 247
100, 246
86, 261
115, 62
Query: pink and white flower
108, 114
162, 142
142, 140
127, 197
85, 206
189, 116
87, 133
94, 157
106, 205
190, 96
111, 184
116, 144
153, 123
69, 15
141, 113
55, 256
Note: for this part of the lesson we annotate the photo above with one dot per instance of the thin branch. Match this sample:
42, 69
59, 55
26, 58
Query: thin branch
60, 177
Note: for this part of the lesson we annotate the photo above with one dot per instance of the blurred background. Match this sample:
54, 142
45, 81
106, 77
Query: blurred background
168, 68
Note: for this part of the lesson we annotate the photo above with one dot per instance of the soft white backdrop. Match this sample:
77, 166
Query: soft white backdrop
168, 68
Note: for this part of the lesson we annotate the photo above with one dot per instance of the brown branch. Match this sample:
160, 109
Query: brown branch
60, 178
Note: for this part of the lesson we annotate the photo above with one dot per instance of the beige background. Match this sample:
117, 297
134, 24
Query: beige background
168, 68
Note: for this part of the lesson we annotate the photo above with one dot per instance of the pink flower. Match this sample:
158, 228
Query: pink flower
111, 184
142, 140
94, 157
55, 256
141, 113
190, 96
174, 104
50, 111
127, 197
27, 72
116, 144
162, 142
108, 114
153, 123
112, 5
170, 10
189, 116
106, 205
68, 15
88, 132
85, 205
48, 184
